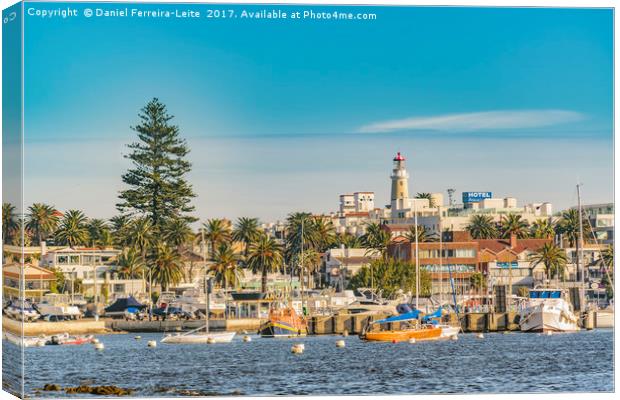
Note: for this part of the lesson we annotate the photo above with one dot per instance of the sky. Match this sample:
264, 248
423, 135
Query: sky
286, 115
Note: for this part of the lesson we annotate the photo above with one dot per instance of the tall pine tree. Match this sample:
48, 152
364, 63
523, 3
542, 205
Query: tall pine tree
157, 185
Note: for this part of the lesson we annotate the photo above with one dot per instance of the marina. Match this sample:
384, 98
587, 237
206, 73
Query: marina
517, 362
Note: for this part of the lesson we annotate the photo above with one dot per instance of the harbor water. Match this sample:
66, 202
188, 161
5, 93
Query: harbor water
498, 363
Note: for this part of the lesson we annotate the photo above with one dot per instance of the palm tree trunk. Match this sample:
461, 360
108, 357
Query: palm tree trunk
263, 283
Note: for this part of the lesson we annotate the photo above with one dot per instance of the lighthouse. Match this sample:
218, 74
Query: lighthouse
400, 184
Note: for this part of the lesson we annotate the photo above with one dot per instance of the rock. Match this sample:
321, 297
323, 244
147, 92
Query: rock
50, 387
108, 390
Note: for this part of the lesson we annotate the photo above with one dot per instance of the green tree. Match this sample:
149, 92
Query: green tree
59, 284
568, 225
348, 240
431, 201
99, 233
391, 276
478, 282
158, 188
376, 240
299, 229
130, 264
306, 264
73, 229
523, 291
120, 230
9, 222
246, 231
542, 229
552, 257
216, 231
481, 227
424, 234
264, 256
177, 232
167, 266
42, 221
513, 224
224, 267
325, 232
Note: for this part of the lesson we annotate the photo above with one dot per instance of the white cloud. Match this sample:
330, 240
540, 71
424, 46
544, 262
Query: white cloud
476, 121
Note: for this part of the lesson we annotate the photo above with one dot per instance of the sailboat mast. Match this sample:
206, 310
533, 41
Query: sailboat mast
580, 247
417, 258
301, 269
440, 262
204, 260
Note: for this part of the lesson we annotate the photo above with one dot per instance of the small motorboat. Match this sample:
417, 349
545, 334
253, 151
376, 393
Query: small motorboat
196, 337
66, 339
26, 341
21, 310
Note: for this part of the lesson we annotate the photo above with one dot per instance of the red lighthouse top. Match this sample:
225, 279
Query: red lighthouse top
399, 157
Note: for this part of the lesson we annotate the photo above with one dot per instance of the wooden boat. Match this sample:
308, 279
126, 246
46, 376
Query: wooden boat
284, 322
425, 332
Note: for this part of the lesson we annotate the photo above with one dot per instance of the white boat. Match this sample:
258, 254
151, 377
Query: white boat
26, 341
21, 310
58, 305
547, 310
194, 337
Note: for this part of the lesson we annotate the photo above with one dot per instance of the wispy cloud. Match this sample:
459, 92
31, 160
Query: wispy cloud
477, 121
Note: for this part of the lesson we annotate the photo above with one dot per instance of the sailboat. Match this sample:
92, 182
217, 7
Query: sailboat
283, 320
195, 336
417, 327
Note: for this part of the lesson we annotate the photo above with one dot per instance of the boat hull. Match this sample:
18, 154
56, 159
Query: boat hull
542, 318
273, 329
200, 338
404, 335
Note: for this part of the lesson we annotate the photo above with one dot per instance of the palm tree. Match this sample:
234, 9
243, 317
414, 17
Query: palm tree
300, 228
376, 240
481, 227
130, 264
431, 201
178, 232
478, 282
608, 257
307, 264
120, 229
216, 231
42, 221
167, 266
348, 240
542, 229
552, 257
424, 234
246, 231
264, 255
568, 225
73, 230
9, 222
224, 267
514, 224
98, 232
325, 232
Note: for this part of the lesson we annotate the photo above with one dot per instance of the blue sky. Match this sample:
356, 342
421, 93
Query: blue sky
286, 115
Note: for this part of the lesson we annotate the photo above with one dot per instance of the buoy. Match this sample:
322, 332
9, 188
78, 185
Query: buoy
480, 336
393, 340
345, 333
151, 343
297, 349
412, 340
210, 341
95, 341
99, 346
303, 346
340, 343
138, 337
454, 337
246, 338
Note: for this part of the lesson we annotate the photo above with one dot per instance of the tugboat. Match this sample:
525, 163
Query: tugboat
284, 322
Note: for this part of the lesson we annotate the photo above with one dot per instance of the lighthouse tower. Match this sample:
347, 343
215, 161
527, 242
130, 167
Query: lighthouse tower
400, 184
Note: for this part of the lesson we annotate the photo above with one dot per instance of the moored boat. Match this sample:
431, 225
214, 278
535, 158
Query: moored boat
284, 322
547, 310
193, 337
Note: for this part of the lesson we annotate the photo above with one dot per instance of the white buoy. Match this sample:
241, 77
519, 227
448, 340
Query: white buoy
340, 343
480, 336
99, 346
297, 349
246, 338
137, 337
151, 343
454, 337
303, 346
210, 341
412, 340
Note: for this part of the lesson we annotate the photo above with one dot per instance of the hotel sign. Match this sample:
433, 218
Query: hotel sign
474, 197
